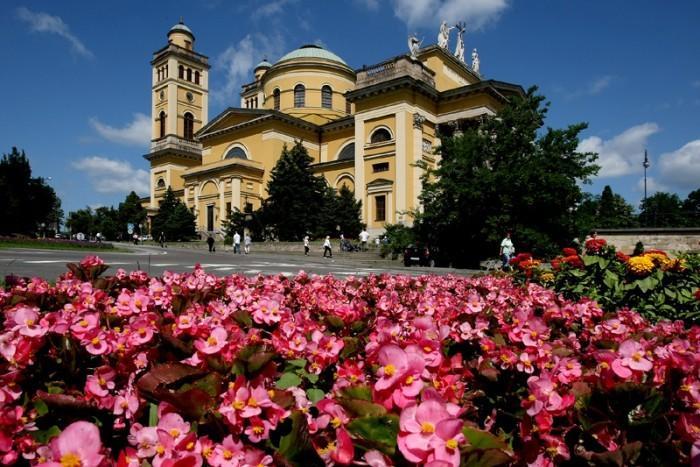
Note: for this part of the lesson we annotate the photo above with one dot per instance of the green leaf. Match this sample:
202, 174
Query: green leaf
480, 439
589, 260
359, 391
41, 407
315, 394
152, 414
44, 436
299, 363
610, 279
378, 431
259, 360
335, 322
288, 380
361, 407
243, 317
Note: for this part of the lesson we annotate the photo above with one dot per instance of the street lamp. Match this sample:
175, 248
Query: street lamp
646, 165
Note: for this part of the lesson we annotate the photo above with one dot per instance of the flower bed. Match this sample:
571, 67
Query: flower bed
193, 369
651, 282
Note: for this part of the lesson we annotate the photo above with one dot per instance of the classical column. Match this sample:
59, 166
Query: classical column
153, 190
222, 202
401, 162
360, 188
418, 121
187, 196
236, 193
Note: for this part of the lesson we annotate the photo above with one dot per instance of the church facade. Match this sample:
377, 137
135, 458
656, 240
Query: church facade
365, 128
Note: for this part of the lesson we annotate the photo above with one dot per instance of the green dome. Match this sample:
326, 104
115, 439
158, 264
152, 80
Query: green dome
312, 51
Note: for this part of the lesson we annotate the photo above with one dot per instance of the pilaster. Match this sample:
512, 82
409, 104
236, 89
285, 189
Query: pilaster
360, 189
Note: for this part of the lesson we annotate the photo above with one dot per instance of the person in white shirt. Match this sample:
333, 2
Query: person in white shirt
306, 245
236, 243
327, 247
364, 236
507, 250
246, 243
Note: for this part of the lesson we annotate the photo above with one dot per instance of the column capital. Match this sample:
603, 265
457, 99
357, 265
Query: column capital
418, 121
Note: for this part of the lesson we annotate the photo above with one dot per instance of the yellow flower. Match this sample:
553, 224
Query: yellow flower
640, 265
676, 265
547, 277
658, 258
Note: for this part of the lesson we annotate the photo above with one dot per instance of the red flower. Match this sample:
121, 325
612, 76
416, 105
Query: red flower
594, 245
569, 252
573, 261
622, 257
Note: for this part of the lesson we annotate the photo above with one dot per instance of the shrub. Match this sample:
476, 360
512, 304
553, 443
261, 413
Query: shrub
188, 369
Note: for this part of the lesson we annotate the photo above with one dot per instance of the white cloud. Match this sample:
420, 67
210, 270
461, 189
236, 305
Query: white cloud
369, 4
113, 176
44, 22
696, 83
274, 7
624, 153
430, 13
238, 60
597, 86
680, 169
593, 88
653, 185
136, 133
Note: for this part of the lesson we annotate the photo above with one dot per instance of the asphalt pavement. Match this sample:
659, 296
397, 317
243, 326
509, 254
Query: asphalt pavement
154, 260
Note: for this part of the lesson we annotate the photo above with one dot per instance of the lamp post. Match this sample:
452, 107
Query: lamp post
646, 165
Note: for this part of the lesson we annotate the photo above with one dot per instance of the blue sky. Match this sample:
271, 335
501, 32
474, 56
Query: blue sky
76, 74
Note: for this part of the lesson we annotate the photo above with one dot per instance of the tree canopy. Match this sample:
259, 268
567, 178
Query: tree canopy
174, 219
26, 201
662, 210
505, 173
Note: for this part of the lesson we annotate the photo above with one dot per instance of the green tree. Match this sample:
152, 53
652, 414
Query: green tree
81, 221
504, 174
662, 210
347, 212
131, 212
107, 223
174, 219
296, 197
26, 201
691, 209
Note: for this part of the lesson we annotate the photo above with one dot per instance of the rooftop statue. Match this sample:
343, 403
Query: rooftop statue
444, 35
413, 45
476, 63
459, 50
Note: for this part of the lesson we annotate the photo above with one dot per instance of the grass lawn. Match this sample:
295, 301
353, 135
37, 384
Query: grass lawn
50, 244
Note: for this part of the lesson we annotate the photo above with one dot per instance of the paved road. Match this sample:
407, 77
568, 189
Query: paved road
50, 263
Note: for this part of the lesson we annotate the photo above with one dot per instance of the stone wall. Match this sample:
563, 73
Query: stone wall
670, 240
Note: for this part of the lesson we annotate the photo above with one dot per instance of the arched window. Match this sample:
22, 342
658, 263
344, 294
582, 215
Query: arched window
196, 77
236, 153
161, 183
347, 153
189, 126
326, 97
189, 74
181, 72
380, 135
299, 95
161, 119
276, 98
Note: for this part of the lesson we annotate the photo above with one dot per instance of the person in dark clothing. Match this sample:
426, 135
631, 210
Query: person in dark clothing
161, 239
210, 242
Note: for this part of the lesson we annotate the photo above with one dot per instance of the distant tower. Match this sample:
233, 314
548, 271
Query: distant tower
180, 106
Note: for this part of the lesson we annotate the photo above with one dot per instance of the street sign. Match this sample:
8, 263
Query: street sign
130, 228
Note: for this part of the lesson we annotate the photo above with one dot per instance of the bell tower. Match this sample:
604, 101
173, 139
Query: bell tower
179, 108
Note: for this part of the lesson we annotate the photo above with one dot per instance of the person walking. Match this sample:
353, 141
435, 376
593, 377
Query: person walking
364, 236
210, 242
246, 243
506, 251
306, 245
136, 238
161, 239
327, 247
236, 243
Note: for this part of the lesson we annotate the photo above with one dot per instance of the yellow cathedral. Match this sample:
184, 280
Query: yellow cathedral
365, 128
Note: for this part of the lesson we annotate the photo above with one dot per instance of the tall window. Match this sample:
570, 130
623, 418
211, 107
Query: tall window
161, 119
276, 98
189, 126
189, 74
380, 135
348, 107
326, 97
181, 72
299, 95
380, 208
196, 77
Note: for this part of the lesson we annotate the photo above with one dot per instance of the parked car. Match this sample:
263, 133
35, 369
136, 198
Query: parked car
415, 254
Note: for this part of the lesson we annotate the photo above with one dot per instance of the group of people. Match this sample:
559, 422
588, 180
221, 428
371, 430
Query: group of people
344, 244
247, 241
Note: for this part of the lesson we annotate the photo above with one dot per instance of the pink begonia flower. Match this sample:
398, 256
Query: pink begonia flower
227, 454
256, 458
141, 332
173, 424
85, 323
27, 322
96, 342
344, 451
543, 395
567, 370
474, 304
632, 358
145, 439
91, 261
445, 443
535, 332
126, 404
267, 311
101, 382
258, 430
525, 363
375, 458
214, 343
331, 413
418, 426
78, 445
394, 363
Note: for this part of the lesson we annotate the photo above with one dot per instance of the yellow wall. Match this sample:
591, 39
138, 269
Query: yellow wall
447, 74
